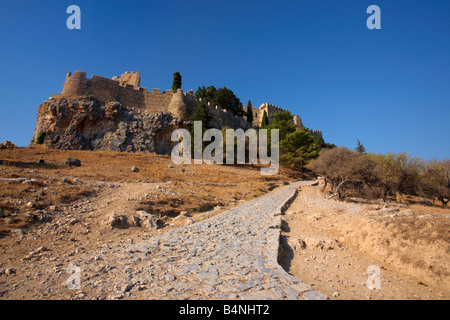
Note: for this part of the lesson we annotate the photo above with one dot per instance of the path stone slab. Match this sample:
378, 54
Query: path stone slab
232, 255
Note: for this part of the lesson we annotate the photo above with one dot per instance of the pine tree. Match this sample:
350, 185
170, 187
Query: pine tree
297, 149
201, 113
360, 148
223, 97
176, 84
282, 120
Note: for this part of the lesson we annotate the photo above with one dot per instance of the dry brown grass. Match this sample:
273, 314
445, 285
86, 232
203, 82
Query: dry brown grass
196, 188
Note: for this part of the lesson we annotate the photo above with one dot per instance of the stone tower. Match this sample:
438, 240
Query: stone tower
75, 85
177, 106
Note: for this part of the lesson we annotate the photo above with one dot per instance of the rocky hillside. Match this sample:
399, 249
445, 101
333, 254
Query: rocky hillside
86, 123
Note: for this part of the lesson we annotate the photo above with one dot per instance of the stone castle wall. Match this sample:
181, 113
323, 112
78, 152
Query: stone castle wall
121, 89
221, 118
157, 100
127, 91
132, 78
270, 109
258, 114
75, 85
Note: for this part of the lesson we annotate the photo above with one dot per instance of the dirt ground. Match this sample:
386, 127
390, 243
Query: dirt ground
330, 245
50, 211
31, 192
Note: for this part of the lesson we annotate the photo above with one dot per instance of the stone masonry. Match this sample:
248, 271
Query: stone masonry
232, 255
126, 90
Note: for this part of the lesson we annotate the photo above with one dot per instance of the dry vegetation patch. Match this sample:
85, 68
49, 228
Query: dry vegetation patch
32, 191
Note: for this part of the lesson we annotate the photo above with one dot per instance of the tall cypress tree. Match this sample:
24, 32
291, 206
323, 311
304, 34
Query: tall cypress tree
249, 112
264, 121
176, 83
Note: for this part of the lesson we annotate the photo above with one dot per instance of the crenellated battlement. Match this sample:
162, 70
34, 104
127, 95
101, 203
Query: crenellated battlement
75, 85
126, 90
270, 109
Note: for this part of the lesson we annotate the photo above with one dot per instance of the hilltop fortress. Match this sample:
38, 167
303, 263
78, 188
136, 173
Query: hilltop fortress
126, 90
118, 114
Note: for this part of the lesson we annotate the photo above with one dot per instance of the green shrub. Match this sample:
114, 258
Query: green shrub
40, 137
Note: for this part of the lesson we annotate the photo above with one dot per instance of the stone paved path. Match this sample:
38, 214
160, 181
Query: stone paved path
232, 255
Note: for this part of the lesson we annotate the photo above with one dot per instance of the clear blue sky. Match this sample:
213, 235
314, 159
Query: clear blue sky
390, 88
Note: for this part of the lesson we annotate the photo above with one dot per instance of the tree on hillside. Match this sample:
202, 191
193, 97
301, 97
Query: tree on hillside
176, 83
382, 174
297, 149
436, 180
321, 144
397, 173
264, 121
223, 97
360, 148
344, 169
282, 120
201, 113
249, 113
227, 100
206, 94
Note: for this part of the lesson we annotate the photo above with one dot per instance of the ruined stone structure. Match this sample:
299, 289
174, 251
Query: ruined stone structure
117, 114
270, 109
132, 78
221, 118
127, 91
